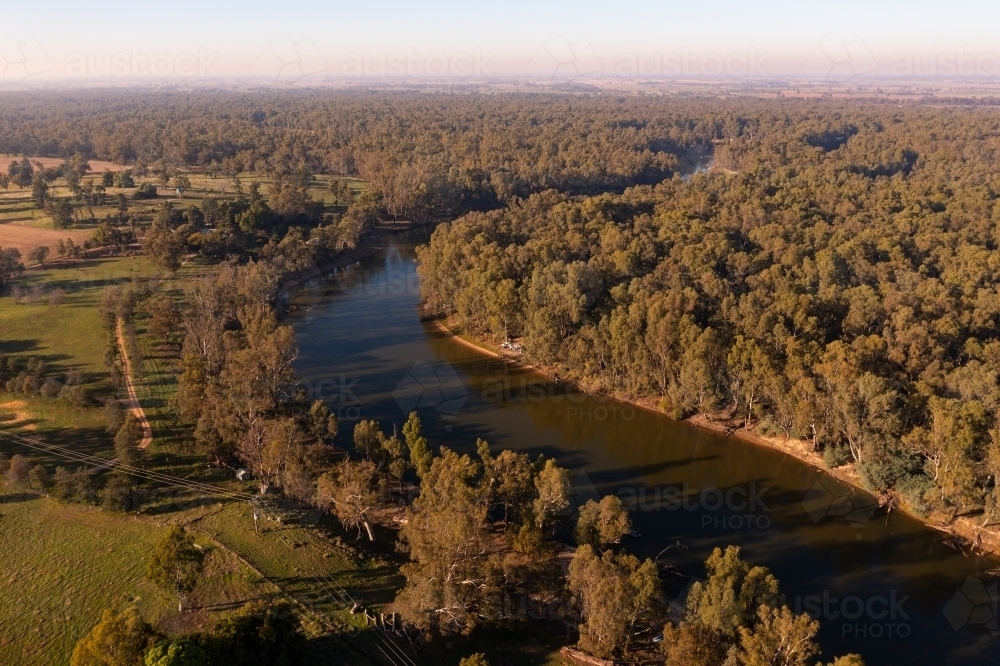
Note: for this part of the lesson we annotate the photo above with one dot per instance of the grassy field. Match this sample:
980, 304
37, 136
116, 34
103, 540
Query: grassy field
315, 565
64, 564
17, 206
156, 370
68, 336
24, 226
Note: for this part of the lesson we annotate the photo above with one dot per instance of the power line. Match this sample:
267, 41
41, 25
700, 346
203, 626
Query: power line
149, 475
325, 582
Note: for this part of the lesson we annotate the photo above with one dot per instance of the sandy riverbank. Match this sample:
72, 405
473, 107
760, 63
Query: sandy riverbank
964, 532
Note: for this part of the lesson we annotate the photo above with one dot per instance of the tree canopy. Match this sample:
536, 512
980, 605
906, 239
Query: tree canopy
832, 280
176, 562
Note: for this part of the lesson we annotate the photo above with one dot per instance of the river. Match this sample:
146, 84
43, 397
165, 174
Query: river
886, 587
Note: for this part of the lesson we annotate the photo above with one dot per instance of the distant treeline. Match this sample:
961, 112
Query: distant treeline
841, 287
445, 153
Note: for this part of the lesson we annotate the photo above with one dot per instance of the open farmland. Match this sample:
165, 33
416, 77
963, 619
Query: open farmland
27, 238
64, 564
68, 335
96, 166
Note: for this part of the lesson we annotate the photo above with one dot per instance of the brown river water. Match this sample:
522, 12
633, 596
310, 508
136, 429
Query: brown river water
886, 587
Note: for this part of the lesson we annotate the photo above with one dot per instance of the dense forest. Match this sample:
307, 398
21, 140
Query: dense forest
427, 154
833, 279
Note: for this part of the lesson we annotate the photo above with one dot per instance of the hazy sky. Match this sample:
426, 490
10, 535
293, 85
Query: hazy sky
308, 40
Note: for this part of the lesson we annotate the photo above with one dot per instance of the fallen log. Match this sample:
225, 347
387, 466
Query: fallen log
584, 658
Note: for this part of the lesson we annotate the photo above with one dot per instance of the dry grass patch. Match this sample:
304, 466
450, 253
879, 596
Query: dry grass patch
96, 166
27, 238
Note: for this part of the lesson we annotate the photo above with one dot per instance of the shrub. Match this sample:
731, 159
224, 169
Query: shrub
119, 494
38, 478
145, 191
119, 638
882, 473
19, 471
478, 659
114, 416
75, 486
76, 395
258, 633
62, 484
176, 652
769, 428
35, 294
51, 388
835, 456
914, 488
671, 409
123, 179
16, 384
30, 385
36, 366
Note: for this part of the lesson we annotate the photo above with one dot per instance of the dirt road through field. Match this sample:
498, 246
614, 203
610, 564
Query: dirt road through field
133, 400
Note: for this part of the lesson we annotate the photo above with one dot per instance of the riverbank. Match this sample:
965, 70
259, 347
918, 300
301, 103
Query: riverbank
963, 533
368, 246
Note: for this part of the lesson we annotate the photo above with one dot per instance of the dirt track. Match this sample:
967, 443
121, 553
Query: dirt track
133, 400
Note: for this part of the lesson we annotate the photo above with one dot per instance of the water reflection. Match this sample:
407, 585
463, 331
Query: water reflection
884, 586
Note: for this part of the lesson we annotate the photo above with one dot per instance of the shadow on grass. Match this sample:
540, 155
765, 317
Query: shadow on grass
178, 504
93, 441
379, 586
18, 346
234, 605
17, 498
10, 423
